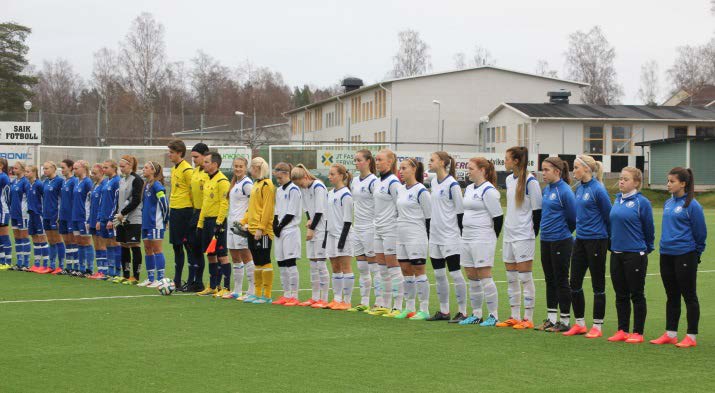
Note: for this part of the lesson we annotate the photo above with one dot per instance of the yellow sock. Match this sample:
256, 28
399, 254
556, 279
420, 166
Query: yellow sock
258, 280
268, 280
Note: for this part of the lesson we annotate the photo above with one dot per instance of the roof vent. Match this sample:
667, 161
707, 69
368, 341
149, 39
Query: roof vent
351, 84
559, 97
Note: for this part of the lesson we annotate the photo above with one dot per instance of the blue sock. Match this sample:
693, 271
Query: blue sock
53, 255
118, 260
44, 251
61, 254
74, 255
150, 266
160, 265
89, 258
36, 254
81, 258
110, 261
6, 245
26, 252
102, 261
18, 251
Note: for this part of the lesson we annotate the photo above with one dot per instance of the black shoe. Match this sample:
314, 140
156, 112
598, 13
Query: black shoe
25, 269
547, 324
195, 287
458, 318
559, 328
64, 272
438, 316
14, 268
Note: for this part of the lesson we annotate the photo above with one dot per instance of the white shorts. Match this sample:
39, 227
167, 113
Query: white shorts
385, 244
235, 242
519, 251
478, 253
363, 242
442, 251
287, 246
411, 251
314, 248
331, 247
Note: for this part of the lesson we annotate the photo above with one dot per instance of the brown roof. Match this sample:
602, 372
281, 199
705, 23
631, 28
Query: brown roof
705, 96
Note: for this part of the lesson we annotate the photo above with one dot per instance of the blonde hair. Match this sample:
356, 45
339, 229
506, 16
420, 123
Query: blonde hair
636, 173
263, 165
33, 169
342, 171
83, 164
299, 172
390, 156
22, 165
596, 167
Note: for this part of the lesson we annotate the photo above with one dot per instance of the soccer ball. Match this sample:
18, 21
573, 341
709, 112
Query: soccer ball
166, 286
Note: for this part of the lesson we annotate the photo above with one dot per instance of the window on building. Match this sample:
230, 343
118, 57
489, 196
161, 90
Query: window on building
380, 136
677, 131
621, 139
593, 139
705, 131
355, 138
503, 134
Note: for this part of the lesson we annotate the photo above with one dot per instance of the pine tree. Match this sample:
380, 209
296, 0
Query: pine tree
14, 85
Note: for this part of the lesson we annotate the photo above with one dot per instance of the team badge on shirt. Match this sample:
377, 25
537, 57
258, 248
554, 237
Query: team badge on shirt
630, 204
678, 209
586, 196
552, 196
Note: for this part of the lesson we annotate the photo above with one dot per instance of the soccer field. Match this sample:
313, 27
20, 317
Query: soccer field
70, 334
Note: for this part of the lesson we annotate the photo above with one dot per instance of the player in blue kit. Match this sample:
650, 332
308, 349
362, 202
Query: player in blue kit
98, 181
155, 216
65, 216
35, 228
5, 244
81, 199
105, 216
52, 187
19, 216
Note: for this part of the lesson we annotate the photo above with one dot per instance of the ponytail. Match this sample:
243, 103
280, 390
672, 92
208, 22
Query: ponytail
521, 155
562, 166
490, 173
685, 175
367, 155
392, 157
419, 169
345, 173
596, 167
450, 165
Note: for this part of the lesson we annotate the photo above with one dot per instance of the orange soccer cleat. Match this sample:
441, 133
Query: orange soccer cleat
343, 306
291, 302
664, 339
511, 322
307, 303
320, 304
575, 330
686, 343
619, 336
525, 324
634, 338
281, 301
56, 271
594, 333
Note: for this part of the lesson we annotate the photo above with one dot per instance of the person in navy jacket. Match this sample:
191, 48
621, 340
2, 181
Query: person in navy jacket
682, 242
558, 221
593, 206
632, 237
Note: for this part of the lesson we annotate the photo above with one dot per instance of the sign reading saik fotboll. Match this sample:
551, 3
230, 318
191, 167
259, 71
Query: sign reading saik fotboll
20, 132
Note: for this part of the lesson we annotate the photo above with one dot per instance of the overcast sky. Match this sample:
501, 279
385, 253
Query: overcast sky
318, 42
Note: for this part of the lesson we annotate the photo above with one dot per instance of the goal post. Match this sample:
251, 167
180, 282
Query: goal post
319, 158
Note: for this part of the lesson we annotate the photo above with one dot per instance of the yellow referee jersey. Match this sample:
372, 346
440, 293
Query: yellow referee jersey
180, 197
198, 178
215, 198
261, 206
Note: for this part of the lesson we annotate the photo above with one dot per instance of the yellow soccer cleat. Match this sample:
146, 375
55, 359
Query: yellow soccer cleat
208, 291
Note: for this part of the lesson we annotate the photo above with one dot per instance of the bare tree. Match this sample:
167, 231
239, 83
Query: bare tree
689, 71
412, 57
105, 80
712, 6
543, 68
589, 58
460, 60
207, 76
58, 91
143, 61
648, 91
482, 57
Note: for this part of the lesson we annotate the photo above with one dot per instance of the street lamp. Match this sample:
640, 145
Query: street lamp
240, 130
439, 115
27, 105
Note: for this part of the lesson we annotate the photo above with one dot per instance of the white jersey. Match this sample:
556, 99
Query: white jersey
238, 199
364, 201
413, 208
314, 200
288, 201
446, 204
519, 224
385, 193
340, 210
481, 205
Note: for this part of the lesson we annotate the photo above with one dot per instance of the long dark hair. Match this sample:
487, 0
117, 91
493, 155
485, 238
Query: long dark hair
367, 155
3, 162
520, 154
562, 166
685, 175
450, 165
419, 169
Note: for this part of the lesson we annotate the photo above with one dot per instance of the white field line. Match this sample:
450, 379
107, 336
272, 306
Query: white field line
190, 294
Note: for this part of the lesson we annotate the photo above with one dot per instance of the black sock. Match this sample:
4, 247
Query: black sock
136, 261
226, 271
178, 262
126, 261
213, 275
200, 266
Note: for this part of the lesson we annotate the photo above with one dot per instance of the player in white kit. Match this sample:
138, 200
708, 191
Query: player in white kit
445, 236
482, 223
314, 195
523, 216
339, 242
414, 209
385, 193
241, 257
362, 188
288, 240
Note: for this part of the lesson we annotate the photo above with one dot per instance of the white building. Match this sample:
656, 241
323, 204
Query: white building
421, 112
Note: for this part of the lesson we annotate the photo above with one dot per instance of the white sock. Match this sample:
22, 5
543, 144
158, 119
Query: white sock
514, 292
348, 285
238, 270
410, 293
476, 296
551, 314
692, 337
365, 281
284, 281
460, 290
249, 270
527, 283
324, 280
492, 296
398, 286
581, 322
315, 280
293, 279
423, 290
440, 275
376, 282
337, 287
597, 326
386, 287
565, 319
672, 334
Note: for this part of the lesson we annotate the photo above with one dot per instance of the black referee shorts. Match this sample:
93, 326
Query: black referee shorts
260, 249
207, 235
180, 225
129, 233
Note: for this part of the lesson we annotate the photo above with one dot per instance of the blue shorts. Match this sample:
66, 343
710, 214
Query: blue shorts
104, 232
93, 230
80, 228
35, 226
4, 219
152, 234
49, 225
21, 224
65, 227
